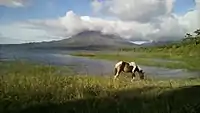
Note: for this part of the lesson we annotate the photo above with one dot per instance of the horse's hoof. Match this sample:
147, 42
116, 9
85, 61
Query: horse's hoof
114, 78
132, 80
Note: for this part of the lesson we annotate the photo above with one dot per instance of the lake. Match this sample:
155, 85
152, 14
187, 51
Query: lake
86, 66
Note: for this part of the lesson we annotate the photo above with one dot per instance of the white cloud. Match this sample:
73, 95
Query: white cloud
197, 4
137, 10
12, 3
23, 33
190, 21
75, 24
97, 6
168, 26
163, 25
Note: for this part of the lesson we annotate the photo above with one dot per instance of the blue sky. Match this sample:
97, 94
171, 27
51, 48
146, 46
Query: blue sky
183, 6
53, 9
45, 9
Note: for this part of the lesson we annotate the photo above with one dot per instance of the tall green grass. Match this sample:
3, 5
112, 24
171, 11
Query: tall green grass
32, 88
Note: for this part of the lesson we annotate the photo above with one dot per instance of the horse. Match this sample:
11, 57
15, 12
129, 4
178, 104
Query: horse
128, 67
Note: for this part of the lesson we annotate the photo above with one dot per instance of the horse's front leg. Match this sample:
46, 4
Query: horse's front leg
133, 77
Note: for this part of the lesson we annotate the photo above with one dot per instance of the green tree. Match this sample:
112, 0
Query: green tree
197, 32
188, 35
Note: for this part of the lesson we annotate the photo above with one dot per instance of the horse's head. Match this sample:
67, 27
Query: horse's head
141, 73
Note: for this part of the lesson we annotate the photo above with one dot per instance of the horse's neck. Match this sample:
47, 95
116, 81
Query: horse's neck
135, 66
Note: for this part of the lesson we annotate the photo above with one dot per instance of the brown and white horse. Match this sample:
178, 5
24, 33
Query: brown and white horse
126, 67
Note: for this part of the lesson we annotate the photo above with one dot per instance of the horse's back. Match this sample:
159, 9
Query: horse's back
119, 63
132, 64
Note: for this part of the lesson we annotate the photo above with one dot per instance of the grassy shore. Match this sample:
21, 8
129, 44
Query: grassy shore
144, 58
33, 88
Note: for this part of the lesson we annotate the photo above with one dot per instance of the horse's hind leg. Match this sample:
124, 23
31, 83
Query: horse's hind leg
117, 72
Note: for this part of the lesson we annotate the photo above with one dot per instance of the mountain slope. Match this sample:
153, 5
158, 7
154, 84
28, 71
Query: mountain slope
87, 40
96, 38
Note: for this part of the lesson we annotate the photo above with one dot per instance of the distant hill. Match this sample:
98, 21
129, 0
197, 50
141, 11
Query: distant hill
189, 45
87, 40
94, 38
157, 43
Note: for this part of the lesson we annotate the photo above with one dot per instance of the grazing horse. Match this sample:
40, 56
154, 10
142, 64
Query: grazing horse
126, 67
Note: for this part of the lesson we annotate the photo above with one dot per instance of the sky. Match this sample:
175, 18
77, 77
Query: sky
23, 21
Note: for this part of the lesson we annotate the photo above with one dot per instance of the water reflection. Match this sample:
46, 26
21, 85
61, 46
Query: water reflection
89, 66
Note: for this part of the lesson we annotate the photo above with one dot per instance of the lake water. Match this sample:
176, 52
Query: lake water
86, 66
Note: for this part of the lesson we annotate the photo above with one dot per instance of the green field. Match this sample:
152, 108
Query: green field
34, 88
